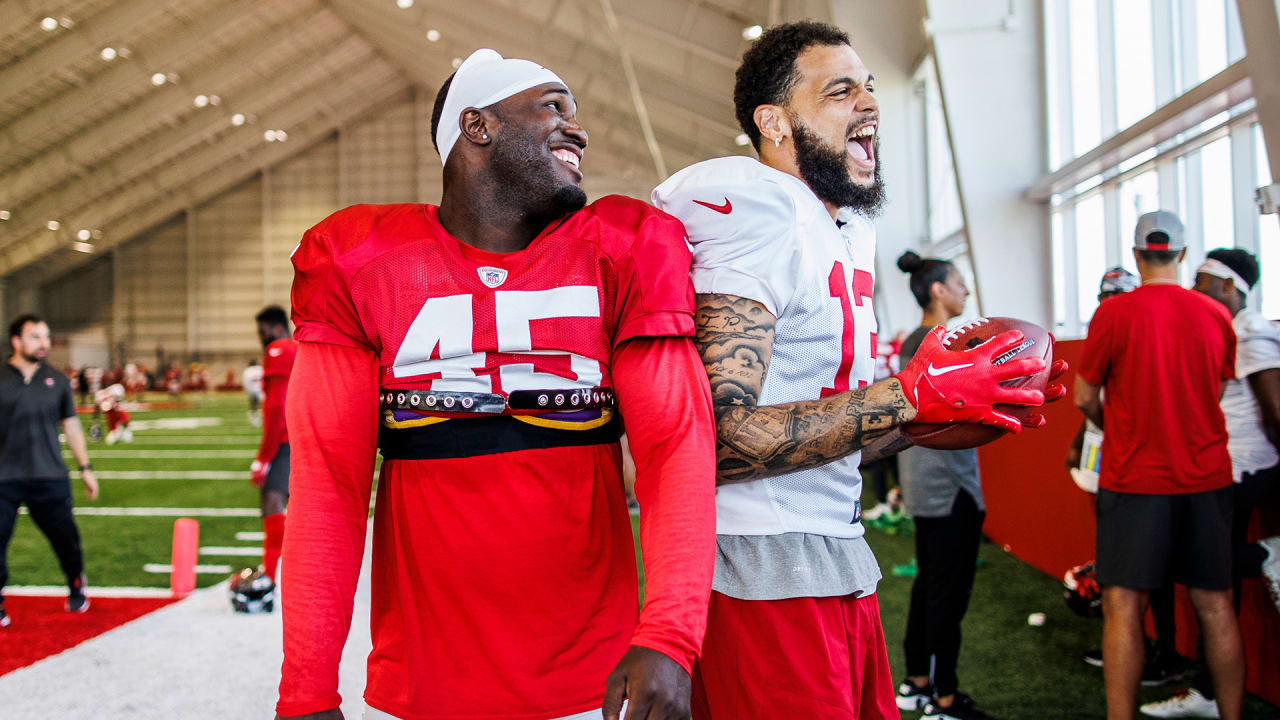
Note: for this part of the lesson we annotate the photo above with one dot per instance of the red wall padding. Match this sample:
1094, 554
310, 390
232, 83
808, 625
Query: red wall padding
1037, 513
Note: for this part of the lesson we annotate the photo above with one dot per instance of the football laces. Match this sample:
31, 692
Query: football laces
957, 332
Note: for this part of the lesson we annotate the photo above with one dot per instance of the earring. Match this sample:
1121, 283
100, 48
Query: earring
484, 137
777, 141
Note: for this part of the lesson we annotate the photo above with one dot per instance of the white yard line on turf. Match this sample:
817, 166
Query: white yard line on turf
161, 512
175, 423
250, 536
246, 454
192, 659
230, 551
196, 440
93, 592
159, 569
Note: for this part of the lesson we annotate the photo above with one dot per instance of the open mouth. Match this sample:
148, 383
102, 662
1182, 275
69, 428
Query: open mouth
861, 146
570, 156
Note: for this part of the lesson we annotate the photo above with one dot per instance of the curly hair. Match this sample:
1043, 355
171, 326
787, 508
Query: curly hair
768, 73
1241, 261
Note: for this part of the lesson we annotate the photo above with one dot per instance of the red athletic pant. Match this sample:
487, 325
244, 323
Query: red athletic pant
814, 658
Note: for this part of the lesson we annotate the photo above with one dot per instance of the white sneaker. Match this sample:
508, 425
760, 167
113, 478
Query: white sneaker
1187, 704
126, 434
1271, 568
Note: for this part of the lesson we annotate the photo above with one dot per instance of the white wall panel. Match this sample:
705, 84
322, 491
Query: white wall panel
229, 273
303, 191
378, 157
151, 294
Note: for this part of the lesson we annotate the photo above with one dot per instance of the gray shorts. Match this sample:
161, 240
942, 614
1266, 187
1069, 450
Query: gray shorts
278, 472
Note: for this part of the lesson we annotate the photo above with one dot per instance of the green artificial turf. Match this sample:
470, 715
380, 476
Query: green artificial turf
1013, 669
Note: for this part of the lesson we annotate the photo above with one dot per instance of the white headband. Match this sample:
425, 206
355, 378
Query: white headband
483, 79
1219, 269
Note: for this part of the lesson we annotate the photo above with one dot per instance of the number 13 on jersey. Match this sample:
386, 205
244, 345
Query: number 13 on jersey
857, 317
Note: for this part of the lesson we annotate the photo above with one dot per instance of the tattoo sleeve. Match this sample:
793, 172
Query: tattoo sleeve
734, 336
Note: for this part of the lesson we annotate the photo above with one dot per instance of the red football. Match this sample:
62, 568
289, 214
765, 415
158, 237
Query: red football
1037, 342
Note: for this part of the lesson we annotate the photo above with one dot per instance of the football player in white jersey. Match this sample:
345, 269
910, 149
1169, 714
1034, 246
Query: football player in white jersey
784, 254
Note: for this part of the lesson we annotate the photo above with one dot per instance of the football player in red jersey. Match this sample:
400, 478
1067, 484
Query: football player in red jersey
270, 468
490, 348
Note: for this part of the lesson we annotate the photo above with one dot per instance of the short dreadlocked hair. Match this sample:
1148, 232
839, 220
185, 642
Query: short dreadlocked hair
438, 109
768, 73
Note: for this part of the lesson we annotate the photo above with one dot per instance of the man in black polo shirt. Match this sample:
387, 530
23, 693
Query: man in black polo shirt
35, 400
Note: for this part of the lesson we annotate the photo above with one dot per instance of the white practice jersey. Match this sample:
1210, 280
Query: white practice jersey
762, 234
1257, 349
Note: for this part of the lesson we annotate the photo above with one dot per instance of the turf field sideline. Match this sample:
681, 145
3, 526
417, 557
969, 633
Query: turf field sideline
1013, 669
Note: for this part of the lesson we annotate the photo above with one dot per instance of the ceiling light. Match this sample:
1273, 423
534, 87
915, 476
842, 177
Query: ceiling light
455, 63
53, 225
281, 136
4, 214
752, 32
269, 136
742, 140
201, 101
404, 4
237, 119
66, 22
433, 35
172, 77
158, 79
83, 247
84, 235
215, 100
125, 53
108, 54
48, 24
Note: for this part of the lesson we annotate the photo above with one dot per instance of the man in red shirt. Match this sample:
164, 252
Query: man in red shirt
270, 469
1164, 499
490, 349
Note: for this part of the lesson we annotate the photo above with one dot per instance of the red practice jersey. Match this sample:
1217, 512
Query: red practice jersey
504, 580
277, 365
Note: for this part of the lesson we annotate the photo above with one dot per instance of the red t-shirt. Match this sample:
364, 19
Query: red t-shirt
504, 584
1162, 353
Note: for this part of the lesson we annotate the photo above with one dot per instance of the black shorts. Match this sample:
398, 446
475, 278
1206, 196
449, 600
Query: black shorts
1147, 541
278, 472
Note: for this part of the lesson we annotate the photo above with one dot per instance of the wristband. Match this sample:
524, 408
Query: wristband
86, 466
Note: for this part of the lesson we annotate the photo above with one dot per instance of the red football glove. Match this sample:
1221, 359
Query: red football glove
258, 472
1052, 393
953, 386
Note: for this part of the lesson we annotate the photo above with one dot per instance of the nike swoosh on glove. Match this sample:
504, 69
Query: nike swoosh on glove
953, 386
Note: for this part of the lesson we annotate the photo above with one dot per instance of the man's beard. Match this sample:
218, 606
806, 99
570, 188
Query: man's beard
530, 181
826, 171
33, 359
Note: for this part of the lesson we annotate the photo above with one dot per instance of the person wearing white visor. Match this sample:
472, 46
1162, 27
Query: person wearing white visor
489, 348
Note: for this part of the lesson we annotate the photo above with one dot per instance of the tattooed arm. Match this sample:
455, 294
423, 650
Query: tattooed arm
735, 339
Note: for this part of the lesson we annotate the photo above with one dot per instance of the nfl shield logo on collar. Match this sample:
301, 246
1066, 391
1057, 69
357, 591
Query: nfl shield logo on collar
492, 276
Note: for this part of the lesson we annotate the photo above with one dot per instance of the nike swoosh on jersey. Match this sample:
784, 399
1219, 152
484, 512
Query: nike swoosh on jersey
724, 209
936, 371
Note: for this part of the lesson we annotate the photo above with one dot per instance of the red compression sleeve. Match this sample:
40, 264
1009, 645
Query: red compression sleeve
274, 384
666, 407
333, 441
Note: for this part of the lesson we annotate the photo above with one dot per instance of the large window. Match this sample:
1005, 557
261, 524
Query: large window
1110, 64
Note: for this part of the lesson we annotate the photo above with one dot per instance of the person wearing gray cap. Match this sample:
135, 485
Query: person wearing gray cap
1164, 500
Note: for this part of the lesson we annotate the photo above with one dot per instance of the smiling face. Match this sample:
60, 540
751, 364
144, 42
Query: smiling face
834, 119
537, 150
